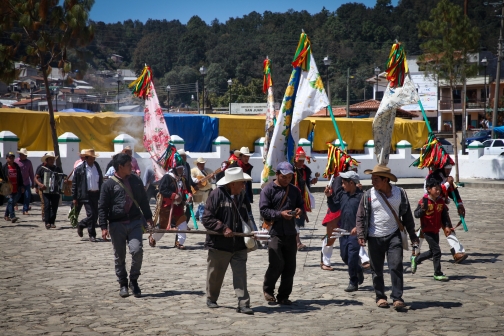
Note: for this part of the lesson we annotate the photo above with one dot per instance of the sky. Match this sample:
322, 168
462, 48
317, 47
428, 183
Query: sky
111, 11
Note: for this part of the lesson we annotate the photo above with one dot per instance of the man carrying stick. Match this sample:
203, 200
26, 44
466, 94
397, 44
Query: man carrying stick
225, 210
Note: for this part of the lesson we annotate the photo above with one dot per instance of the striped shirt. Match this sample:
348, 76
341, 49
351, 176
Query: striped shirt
382, 221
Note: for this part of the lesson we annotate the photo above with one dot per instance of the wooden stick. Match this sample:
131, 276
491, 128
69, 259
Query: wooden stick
236, 234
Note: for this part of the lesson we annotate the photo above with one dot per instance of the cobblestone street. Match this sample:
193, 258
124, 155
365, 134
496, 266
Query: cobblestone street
55, 283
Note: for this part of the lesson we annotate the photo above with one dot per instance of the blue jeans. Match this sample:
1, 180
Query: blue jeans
349, 252
11, 202
27, 197
199, 211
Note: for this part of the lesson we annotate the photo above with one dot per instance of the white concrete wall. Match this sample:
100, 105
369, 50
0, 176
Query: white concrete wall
474, 165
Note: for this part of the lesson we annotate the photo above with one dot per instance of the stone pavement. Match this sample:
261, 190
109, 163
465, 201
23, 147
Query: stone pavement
55, 283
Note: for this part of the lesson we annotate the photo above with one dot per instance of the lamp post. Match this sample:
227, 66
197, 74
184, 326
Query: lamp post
484, 62
377, 72
56, 92
32, 86
203, 72
327, 62
230, 83
168, 89
119, 79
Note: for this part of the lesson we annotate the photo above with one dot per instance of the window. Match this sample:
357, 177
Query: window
487, 143
498, 143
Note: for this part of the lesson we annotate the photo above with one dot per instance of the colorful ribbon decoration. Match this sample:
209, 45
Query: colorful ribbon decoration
303, 53
337, 161
141, 85
432, 155
396, 67
170, 158
267, 81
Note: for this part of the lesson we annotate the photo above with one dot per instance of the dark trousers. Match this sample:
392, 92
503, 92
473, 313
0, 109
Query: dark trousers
282, 252
349, 252
391, 247
434, 252
91, 206
151, 192
27, 197
51, 203
130, 233
217, 264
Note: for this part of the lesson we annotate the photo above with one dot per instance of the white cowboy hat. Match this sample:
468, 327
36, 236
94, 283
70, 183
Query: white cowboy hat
199, 160
83, 152
245, 151
48, 155
89, 152
182, 152
234, 174
23, 151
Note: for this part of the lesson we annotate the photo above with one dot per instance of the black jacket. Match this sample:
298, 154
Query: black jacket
269, 203
220, 213
79, 182
5, 174
113, 199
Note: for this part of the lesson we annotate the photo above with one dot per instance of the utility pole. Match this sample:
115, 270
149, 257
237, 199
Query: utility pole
348, 93
497, 76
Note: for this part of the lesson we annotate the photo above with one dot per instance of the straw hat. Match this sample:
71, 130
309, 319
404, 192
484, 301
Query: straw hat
199, 160
182, 152
381, 171
234, 174
23, 151
47, 156
82, 152
244, 151
89, 152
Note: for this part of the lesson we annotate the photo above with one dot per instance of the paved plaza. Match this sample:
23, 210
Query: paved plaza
54, 283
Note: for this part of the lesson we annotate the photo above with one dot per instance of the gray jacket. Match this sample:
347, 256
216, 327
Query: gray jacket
364, 215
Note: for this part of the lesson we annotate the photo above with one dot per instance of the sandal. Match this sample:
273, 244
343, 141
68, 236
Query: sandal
269, 298
399, 304
152, 242
326, 268
301, 247
382, 303
179, 246
285, 302
48, 226
7, 218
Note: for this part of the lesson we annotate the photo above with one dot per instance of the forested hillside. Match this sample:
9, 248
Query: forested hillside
353, 36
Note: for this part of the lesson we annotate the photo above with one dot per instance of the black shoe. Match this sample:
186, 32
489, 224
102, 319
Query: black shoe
360, 275
133, 285
92, 239
351, 288
245, 310
80, 231
211, 304
124, 291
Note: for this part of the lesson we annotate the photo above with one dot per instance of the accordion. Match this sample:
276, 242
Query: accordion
54, 182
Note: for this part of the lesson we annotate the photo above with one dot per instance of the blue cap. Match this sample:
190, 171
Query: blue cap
285, 168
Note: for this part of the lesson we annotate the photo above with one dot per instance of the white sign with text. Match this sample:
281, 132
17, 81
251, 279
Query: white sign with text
427, 91
249, 108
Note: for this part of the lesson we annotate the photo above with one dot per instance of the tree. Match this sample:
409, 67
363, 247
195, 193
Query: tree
41, 34
449, 39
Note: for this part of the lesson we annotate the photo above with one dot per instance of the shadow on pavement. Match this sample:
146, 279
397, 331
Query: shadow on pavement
173, 293
303, 306
463, 277
18, 225
417, 305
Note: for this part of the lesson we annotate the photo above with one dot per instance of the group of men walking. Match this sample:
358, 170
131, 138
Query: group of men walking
380, 218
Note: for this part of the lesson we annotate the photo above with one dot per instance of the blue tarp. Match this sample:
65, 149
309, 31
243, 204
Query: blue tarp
499, 129
198, 131
75, 110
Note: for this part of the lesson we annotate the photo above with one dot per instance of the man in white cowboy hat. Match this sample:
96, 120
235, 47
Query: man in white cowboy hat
377, 224
198, 174
243, 156
51, 199
224, 211
27, 172
86, 186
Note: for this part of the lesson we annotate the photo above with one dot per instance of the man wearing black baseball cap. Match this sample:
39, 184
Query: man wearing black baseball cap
280, 203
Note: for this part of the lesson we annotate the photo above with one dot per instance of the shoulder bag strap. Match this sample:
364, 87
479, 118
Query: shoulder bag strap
127, 192
401, 226
284, 198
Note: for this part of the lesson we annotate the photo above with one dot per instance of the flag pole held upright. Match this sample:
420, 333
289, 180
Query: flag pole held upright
342, 144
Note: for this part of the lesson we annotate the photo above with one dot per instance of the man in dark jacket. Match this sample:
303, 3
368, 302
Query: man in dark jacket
280, 203
377, 224
123, 206
224, 212
86, 185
